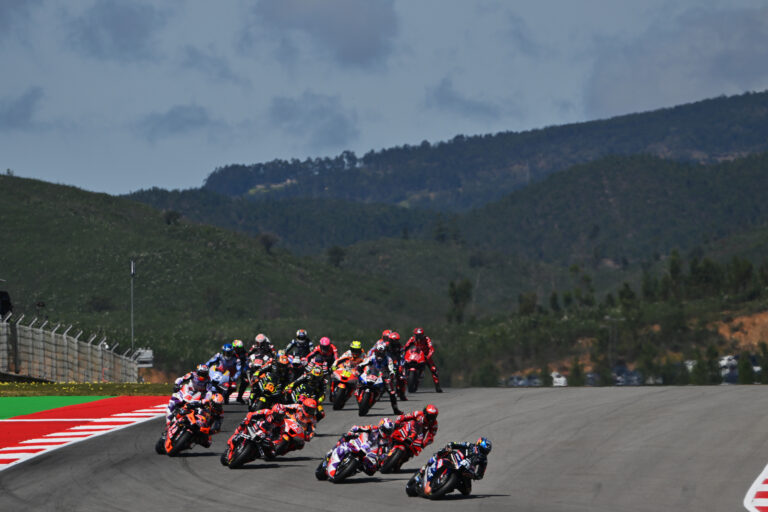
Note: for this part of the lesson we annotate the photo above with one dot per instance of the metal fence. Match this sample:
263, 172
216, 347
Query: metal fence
44, 351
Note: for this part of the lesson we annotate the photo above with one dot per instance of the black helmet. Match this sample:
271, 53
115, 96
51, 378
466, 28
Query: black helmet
301, 334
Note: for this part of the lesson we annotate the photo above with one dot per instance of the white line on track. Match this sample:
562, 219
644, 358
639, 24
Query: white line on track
76, 434
752, 502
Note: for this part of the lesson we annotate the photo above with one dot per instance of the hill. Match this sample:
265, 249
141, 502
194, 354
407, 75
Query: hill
618, 210
197, 286
469, 171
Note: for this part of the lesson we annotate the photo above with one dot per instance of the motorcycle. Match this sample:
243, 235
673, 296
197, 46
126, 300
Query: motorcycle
191, 424
402, 448
266, 393
343, 384
345, 460
298, 394
246, 446
223, 383
294, 437
440, 476
370, 389
415, 362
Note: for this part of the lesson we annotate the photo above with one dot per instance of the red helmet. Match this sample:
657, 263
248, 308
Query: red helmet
385, 334
418, 332
309, 405
394, 336
325, 343
430, 414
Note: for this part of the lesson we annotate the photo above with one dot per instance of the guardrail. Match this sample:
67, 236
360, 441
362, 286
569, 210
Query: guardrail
49, 352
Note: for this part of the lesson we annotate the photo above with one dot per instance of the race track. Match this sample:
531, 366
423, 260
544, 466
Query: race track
581, 449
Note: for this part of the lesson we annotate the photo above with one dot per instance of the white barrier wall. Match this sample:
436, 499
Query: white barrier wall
43, 352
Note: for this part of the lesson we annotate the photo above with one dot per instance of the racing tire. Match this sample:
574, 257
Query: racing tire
445, 485
364, 404
410, 487
413, 381
339, 399
224, 459
347, 468
392, 462
182, 442
160, 446
243, 453
320, 472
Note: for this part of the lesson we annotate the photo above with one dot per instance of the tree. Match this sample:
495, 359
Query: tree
268, 240
576, 378
460, 294
554, 303
171, 217
746, 371
526, 303
336, 255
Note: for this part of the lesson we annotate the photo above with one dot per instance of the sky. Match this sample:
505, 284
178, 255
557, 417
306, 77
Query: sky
116, 96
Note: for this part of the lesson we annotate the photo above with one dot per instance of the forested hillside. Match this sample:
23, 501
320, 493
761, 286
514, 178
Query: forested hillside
196, 286
469, 171
623, 209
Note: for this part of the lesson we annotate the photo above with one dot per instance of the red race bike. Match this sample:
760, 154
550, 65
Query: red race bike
415, 362
402, 447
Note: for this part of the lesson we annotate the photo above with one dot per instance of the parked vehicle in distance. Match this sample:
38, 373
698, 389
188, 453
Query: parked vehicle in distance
559, 380
517, 381
534, 381
591, 379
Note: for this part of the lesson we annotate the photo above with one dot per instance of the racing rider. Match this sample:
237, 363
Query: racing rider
301, 345
424, 343
425, 423
380, 362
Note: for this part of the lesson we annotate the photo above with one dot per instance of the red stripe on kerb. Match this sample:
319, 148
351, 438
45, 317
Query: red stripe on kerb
23, 450
7, 461
761, 495
761, 509
765, 482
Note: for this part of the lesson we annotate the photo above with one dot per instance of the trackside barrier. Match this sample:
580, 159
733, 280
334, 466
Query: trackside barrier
43, 351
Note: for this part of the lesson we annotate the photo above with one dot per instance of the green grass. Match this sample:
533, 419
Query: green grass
11, 406
94, 389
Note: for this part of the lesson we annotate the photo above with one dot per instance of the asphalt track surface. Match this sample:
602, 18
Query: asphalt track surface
580, 449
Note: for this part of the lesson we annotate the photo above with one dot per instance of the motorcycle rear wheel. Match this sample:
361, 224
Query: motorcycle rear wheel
364, 404
413, 381
392, 462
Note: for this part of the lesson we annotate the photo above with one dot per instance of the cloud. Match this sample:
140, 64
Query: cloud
120, 31
320, 120
18, 113
357, 34
701, 54
522, 38
211, 65
15, 15
445, 97
178, 120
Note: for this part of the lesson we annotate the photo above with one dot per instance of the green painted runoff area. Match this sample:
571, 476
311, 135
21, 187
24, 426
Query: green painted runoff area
11, 406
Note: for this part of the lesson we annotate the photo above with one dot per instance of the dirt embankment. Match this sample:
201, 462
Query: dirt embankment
746, 331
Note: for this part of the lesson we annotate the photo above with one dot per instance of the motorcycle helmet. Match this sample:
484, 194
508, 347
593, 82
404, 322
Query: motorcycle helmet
202, 372
386, 427
379, 349
325, 344
385, 334
316, 371
394, 336
227, 351
261, 339
430, 414
419, 333
237, 345
356, 347
309, 406
301, 334
483, 446
217, 401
